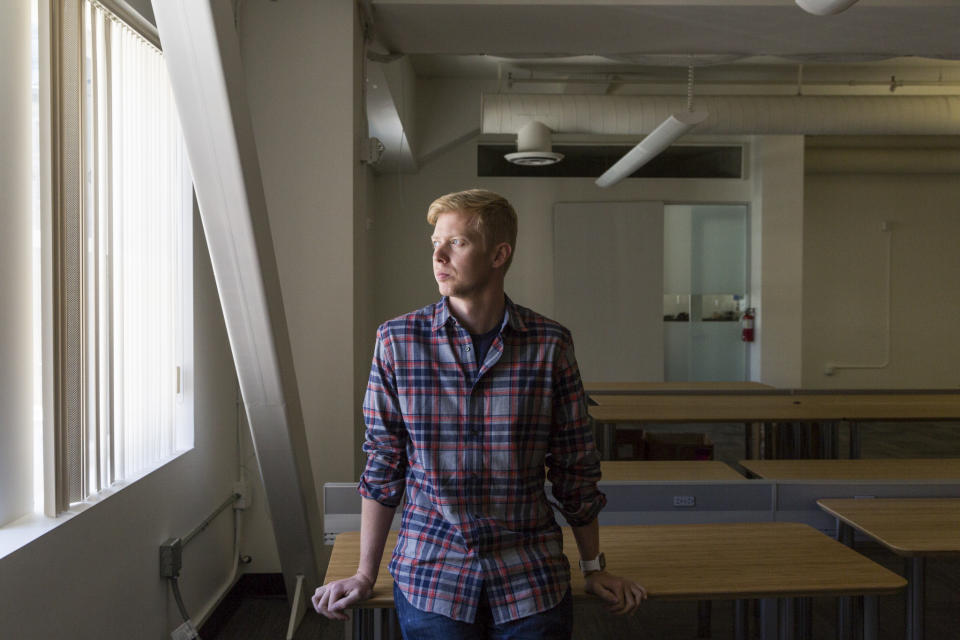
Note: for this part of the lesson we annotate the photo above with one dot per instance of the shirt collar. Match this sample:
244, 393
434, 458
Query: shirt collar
442, 315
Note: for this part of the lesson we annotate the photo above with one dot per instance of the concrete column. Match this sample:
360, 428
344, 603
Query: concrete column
776, 261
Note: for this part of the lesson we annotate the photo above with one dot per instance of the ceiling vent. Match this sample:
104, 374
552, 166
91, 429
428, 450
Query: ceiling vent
534, 146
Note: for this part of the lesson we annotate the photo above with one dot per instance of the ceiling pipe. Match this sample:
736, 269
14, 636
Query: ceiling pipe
729, 115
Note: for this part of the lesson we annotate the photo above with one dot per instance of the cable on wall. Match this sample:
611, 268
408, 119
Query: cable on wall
831, 367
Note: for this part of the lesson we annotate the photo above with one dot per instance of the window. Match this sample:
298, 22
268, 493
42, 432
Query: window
121, 282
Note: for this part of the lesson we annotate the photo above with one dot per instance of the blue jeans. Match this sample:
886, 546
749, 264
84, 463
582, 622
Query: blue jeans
552, 624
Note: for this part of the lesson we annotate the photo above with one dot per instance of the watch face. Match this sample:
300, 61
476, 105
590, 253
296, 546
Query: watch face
603, 561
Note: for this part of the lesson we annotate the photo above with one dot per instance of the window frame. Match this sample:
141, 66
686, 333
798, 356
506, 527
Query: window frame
65, 362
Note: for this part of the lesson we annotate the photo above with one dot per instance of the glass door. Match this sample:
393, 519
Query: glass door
704, 284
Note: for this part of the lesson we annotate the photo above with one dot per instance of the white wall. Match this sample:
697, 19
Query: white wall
302, 64
845, 291
16, 246
96, 576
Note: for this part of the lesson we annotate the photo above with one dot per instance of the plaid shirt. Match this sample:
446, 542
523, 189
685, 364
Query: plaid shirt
469, 445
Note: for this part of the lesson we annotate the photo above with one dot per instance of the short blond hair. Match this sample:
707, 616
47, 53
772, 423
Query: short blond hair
496, 220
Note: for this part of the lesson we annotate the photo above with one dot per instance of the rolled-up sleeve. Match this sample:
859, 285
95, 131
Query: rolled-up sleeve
384, 477
573, 463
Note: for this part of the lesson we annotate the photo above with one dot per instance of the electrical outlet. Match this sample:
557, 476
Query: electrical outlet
171, 558
186, 631
684, 501
242, 489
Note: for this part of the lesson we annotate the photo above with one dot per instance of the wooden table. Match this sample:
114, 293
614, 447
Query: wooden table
601, 388
774, 406
915, 528
667, 470
859, 469
702, 562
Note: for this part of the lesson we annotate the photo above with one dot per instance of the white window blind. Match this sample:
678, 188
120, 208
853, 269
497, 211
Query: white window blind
125, 269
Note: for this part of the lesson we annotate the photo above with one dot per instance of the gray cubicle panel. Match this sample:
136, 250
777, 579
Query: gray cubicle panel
796, 501
691, 502
686, 502
628, 502
341, 510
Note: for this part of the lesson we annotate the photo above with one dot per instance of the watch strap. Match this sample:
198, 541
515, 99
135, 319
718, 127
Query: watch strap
597, 564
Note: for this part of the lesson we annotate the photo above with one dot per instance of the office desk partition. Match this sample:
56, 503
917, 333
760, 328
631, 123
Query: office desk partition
769, 560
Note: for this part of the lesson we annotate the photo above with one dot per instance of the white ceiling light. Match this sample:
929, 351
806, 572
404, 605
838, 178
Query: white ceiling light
671, 129
824, 7
534, 146
659, 139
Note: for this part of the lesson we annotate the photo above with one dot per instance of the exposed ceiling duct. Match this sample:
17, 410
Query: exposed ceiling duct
731, 115
534, 146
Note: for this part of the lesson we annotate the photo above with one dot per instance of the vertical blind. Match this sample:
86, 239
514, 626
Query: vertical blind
133, 214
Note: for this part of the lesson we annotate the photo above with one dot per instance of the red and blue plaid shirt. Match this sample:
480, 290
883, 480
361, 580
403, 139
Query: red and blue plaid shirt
469, 443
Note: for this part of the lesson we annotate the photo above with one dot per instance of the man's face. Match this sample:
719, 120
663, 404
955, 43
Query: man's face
462, 264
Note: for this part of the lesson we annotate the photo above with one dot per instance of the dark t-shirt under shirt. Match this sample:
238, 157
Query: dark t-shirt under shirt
482, 342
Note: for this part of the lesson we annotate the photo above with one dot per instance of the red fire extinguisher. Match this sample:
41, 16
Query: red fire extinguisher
746, 322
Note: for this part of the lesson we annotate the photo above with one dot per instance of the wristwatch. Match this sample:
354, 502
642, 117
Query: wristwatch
597, 564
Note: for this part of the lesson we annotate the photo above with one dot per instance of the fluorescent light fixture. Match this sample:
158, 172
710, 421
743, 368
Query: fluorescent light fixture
824, 7
659, 139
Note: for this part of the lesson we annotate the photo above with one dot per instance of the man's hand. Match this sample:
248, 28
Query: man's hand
331, 599
622, 595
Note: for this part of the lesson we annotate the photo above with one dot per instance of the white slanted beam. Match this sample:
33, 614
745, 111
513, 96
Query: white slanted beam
202, 54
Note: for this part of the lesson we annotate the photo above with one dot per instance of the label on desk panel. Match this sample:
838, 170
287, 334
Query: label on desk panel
684, 501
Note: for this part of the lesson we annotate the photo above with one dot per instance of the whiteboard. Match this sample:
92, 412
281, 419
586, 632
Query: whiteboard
608, 282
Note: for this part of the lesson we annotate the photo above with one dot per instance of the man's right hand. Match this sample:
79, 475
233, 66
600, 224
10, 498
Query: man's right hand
331, 599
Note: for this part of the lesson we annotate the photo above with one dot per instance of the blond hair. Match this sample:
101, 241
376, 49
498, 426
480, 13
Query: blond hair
495, 219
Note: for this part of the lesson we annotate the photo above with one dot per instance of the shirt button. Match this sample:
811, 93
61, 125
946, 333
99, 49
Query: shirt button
468, 348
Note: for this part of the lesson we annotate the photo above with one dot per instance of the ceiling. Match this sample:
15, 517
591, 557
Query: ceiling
649, 41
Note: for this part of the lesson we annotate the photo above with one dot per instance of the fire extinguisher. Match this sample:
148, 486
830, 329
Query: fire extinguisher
746, 322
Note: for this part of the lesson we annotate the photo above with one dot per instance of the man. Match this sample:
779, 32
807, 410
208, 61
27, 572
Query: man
468, 400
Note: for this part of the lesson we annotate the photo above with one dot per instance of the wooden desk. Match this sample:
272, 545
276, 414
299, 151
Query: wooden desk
860, 469
699, 562
775, 407
911, 527
601, 388
771, 407
668, 470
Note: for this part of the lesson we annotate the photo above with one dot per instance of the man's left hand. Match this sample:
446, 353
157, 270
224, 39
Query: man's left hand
622, 596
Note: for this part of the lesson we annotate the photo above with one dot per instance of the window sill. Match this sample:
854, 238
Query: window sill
21, 532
